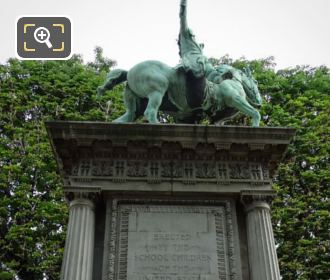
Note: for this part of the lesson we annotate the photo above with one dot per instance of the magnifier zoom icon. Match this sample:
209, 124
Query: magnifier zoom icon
41, 35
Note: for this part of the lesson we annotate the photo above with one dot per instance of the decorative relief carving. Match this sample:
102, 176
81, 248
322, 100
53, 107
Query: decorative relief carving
222, 171
256, 172
176, 169
154, 169
110, 141
166, 169
189, 170
85, 167
209, 163
239, 170
265, 172
102, 168
189, 173
154, 172
137, 169
120, 168
171, 169
205, 169
75, 170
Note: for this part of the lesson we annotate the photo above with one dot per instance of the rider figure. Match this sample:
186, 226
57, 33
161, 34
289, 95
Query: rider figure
191, 52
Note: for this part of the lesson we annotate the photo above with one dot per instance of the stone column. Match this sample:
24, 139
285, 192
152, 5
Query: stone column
78, 253
263, 261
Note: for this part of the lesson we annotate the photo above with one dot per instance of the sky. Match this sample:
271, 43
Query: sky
295, 32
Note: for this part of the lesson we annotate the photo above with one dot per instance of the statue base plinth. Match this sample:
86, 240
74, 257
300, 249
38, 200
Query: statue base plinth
170, 202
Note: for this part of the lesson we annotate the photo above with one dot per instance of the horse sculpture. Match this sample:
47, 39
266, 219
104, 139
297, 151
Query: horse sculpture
153, 86
189, 92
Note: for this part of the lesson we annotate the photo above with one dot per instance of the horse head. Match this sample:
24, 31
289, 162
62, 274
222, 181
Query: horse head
250, 86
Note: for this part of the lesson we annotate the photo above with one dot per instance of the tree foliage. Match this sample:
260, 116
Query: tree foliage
298, 97
33, 214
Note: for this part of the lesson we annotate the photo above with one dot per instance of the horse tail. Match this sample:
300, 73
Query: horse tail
114, 78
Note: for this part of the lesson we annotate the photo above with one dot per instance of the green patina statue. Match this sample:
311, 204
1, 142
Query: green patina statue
189, 92
190, 51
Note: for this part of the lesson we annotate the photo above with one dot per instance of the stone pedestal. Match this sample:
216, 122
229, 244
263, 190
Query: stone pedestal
78, 254
175, 202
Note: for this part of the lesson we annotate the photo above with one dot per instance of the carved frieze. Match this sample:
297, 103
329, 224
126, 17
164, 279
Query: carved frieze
222, 171
84, 168
239, 170
137, 168
172, 162
166, 169
102, 168
156, 171
205, 169
256, 171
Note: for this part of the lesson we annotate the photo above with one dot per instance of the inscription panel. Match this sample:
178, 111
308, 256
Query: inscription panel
171, 246
171, 242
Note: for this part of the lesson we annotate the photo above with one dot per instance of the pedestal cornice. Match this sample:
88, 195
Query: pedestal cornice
95, 156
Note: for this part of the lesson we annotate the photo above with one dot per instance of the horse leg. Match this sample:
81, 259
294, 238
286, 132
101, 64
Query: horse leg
243, 106
130, 105
155, 99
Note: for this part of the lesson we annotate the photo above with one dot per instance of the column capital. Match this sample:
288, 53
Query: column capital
74, 198
256, 199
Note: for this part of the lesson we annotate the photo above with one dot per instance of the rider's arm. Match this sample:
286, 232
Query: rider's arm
183, 16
